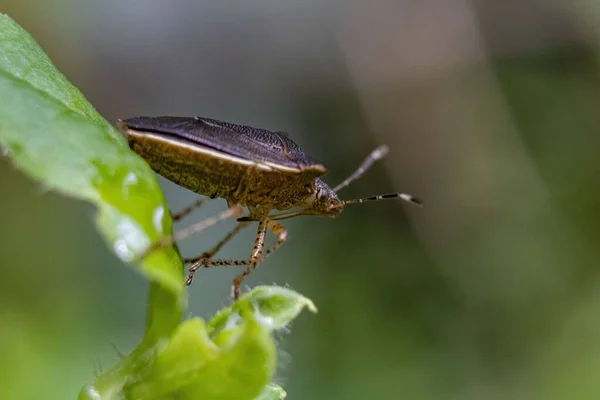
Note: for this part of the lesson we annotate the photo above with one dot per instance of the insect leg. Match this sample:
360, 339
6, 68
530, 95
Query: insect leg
255, 257
178, 216
207, 263
210, 253
258, 253
281, 233
204, 259
234, 211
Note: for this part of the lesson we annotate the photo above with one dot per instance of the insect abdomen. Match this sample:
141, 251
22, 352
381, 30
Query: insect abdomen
214, 174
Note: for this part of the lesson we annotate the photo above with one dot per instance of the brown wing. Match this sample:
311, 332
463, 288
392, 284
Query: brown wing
259, 145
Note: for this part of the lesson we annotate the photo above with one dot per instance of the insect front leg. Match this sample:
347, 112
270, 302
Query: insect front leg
205, 259
178, 216
257, 252
255, 257
281, 233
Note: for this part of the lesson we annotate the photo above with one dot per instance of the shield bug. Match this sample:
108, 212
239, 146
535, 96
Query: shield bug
251, 167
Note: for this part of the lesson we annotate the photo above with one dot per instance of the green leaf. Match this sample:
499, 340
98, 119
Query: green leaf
242, 369
235, 362
54, 135
274, 307
190, 366
175, 364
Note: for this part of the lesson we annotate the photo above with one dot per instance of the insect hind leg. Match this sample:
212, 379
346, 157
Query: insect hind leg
234, 211
178, 216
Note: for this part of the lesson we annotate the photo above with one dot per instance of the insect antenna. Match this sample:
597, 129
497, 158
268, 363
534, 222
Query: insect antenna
403, 196
375, 155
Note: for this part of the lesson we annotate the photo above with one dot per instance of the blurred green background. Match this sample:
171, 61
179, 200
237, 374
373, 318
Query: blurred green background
491, 112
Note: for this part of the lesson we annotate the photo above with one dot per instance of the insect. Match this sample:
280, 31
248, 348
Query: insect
251, 167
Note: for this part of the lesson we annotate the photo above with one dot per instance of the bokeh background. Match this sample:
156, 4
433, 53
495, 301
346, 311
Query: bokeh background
492, 291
